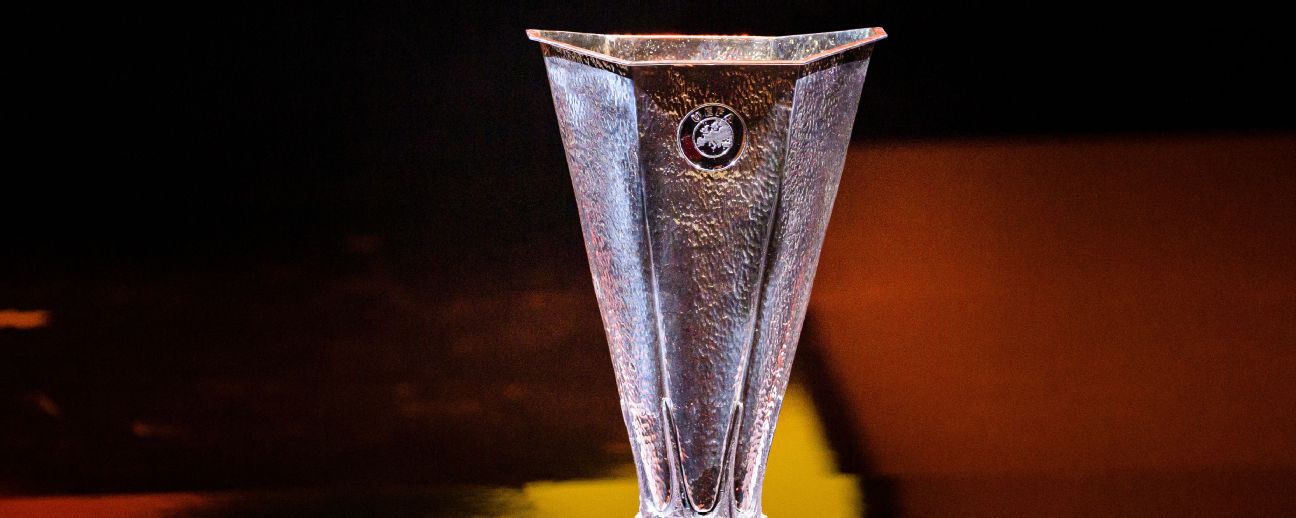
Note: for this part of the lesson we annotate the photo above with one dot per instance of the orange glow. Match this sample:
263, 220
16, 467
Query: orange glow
12, 318
1088, 306
116, 506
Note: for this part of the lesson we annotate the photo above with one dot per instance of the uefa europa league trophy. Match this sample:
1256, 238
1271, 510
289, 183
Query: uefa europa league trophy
705, 169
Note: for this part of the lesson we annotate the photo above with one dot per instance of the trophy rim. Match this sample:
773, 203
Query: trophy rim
547, 37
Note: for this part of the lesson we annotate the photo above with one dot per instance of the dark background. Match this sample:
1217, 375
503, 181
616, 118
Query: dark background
238, 125
262, 230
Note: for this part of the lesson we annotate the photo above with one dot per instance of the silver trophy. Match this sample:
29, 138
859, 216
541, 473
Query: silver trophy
705, 169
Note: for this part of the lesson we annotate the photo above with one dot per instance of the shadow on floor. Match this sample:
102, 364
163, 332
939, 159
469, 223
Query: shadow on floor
853, 455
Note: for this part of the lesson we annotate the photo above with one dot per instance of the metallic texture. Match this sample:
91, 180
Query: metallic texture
703, 264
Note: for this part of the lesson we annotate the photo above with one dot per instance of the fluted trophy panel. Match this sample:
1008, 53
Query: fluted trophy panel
823, 113
596, 117
709, 232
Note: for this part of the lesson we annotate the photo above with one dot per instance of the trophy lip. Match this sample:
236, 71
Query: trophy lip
875, 34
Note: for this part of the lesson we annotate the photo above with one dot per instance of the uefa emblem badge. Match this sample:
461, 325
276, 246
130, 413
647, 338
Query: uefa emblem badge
711, 136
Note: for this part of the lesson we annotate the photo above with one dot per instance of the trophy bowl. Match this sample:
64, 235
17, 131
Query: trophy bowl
705, 169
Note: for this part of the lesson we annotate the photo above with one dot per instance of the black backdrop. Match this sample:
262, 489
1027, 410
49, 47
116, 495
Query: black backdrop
145, 131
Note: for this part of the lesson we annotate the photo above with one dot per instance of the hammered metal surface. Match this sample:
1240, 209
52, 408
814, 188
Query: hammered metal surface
703, 275
709, 232
596, 117
823, 112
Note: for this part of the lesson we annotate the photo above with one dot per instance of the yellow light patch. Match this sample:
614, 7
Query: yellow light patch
802, 479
